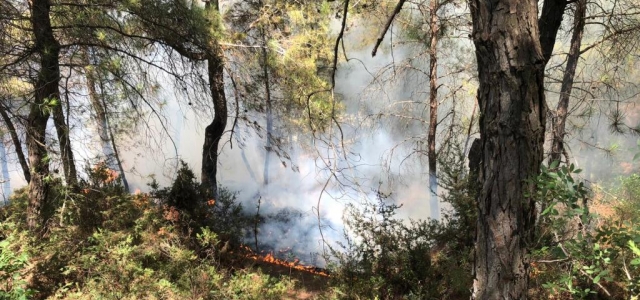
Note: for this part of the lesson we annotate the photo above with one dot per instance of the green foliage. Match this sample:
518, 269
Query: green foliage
224, 215
103, 243
628, 198
386, 258
13, 262
295, 63
185, 193
580, 254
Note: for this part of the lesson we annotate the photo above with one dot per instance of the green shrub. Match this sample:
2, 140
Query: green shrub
225, 216
103, 243
14, 259
389, 258
578, 257
386, 258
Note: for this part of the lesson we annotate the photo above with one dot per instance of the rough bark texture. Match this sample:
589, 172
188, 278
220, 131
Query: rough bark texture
213, 132
560, 117
46, 88
66, 153
434, 206
512, 124
16, 143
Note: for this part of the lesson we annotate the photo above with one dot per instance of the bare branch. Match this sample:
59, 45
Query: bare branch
386, 26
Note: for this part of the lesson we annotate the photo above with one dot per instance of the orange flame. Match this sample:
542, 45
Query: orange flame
295, 264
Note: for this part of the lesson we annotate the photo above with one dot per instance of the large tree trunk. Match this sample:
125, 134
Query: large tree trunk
46, 88
213, 132
512, 125
434, 206
560, 117
16, 143
66, 153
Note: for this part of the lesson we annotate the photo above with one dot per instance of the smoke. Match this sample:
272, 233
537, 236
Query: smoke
382, 147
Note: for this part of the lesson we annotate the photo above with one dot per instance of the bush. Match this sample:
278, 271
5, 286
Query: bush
579, 254
387, 258
187, 196
13, 262
102, 242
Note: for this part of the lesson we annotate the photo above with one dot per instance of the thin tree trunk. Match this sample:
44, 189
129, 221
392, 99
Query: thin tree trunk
512, 124
247, 165
213, 132
116, 154
66, 153
16, 143
560, 118
433, 111
105, 133
46, 88
269, 112
6, 181
98, 109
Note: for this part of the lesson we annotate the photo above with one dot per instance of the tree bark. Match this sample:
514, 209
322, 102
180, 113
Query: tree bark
434, 31
213, 132
511, 65
16, 143
560, 117
549, 25
46, 88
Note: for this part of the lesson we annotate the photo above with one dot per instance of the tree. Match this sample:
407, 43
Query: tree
434, 32
47, 95
15, 139
204, 47
194, 33
429, 24
214, 131
560, 117
512, 49
66, 153
105, 132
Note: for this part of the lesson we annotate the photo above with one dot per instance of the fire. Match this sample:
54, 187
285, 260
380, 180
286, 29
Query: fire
108, 174
295, 264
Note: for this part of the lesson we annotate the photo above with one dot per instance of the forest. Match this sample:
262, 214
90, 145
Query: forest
320, 149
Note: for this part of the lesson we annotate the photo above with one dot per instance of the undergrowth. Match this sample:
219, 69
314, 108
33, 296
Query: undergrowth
101, 242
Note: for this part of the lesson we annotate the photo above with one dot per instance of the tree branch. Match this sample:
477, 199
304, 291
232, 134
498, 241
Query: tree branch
386, 26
